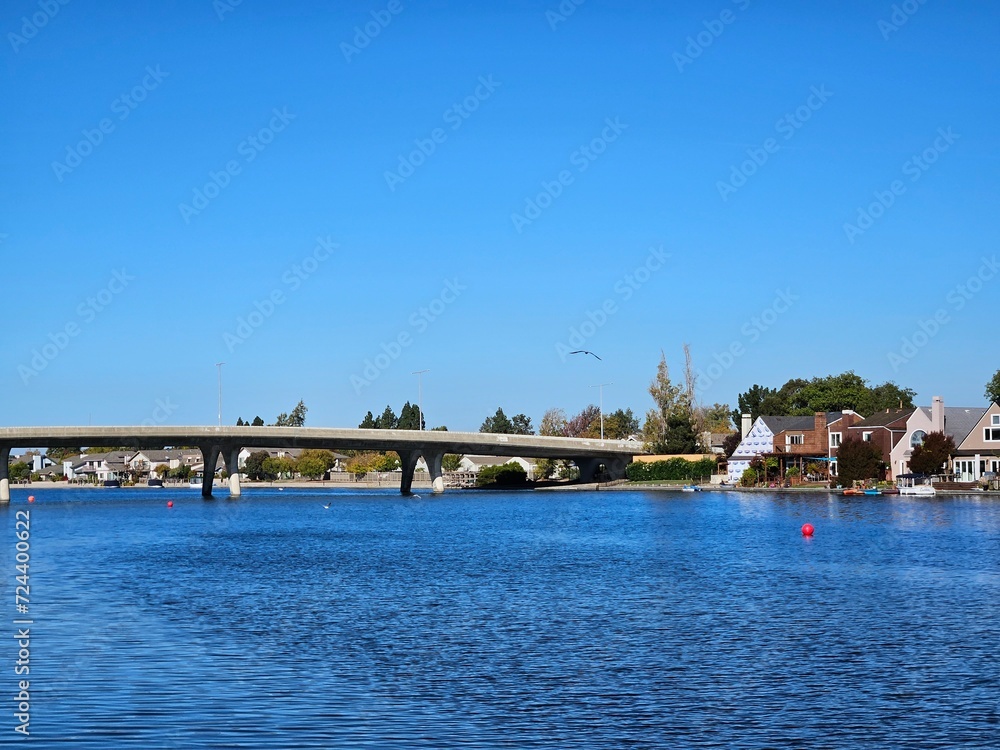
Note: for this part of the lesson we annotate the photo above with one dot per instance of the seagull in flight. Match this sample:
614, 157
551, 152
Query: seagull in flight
584, 351
327, 506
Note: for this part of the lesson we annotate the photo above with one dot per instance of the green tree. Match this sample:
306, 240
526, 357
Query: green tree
521, 425
553, 423
830, 393
388, 420
585, 424
858, 460
182, 472
315, 462
716, 418
619, 424
993, 389
409, 417
388, 461
731, 443
254, 465
667, 399
498, 423
759, 401
240, 422
161, 470
680, 437
502, 475
368, 423
257, 422
19, 471
451, 462
931, 455
296, 419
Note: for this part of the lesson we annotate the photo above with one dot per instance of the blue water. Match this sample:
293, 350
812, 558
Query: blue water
506, 620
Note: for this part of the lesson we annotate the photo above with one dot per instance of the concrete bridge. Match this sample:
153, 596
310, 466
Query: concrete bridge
588, 454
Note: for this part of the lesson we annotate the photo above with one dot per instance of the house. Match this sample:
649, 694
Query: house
884, 429
795, 441
979, 452
97, 467
955, 421
472, 464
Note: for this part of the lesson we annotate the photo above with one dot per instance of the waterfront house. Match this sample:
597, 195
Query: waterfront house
979, 452
884, 429
955, 421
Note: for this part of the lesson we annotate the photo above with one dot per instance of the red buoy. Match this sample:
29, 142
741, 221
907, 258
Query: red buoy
31, 498
807, 529
170, 504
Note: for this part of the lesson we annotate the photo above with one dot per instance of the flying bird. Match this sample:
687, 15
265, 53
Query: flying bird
327, 506
584, 351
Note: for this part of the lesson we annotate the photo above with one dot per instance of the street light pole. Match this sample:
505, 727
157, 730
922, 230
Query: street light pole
420, 397
601, 386
219, 365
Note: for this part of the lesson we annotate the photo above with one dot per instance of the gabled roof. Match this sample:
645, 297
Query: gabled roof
883, 418
958, 420
783, 424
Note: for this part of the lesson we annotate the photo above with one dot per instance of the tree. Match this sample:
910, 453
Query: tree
502, 475
368, 423
544, 467
296, 419
161, 470
716, 418
680, 436
930, 456
388, 461
254, 465
388, 420
759, 401
498, 423
585, 424
619, 424
19, 471
672, 412
240, 422
315, 462
993, 389
553, 423
409, 417
521, 425
451, 462
257, 422
830, 393
858, 460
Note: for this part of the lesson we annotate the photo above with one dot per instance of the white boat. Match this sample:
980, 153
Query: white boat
915, 484
195, 484
690, 488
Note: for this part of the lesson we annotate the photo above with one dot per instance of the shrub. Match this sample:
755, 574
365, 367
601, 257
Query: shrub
502, 475
672, 469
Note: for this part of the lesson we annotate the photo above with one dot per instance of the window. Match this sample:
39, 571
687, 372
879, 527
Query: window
995, 420
834, 439
866, 436
991, 434
794, 439
917, 438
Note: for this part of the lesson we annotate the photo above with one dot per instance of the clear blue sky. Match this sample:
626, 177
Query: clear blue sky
531, 91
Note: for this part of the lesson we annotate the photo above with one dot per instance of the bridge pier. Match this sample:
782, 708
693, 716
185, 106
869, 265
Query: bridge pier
210, 457
433, 460
232, 456
407, 464
4, 476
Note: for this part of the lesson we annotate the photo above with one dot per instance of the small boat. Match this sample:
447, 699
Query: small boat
872, 491
915, 484
154, 482
853, 491
195, 484
690, 488
111, 483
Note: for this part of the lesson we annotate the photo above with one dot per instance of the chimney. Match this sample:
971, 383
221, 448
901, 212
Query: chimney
819, 422
746, 424
937, 414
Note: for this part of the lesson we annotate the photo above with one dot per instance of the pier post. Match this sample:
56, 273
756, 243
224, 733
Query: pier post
434, 467
210, 457
233, 469
4, 476
407, 464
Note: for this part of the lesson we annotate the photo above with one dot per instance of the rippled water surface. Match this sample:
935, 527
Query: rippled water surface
514, 620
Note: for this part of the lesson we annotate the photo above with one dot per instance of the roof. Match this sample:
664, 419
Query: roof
884, 418
783, 424
959, 421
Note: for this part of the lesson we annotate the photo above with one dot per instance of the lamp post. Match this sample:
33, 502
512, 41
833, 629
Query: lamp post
420, 397
601, 387
219, 365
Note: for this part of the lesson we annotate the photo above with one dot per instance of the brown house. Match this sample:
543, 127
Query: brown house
806, 441
885, 429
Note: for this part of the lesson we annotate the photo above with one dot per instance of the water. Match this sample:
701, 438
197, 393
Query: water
506, 620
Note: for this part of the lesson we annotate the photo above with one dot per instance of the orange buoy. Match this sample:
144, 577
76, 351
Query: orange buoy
807, 529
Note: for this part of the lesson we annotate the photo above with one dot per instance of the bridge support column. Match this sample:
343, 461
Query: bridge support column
232, 456
210, 457
4, 476
407, 464
434, 467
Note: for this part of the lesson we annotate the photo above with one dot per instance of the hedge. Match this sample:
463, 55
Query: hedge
671, 469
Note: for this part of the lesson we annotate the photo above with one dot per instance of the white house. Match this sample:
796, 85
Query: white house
955, 421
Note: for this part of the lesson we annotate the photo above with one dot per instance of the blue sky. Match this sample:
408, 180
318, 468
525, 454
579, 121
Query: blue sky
793, 190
